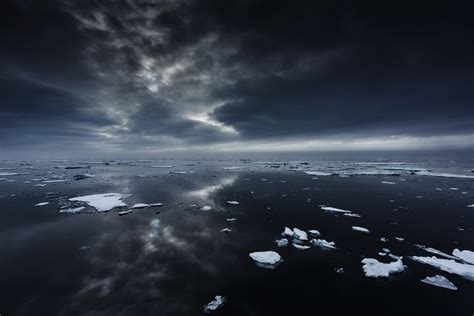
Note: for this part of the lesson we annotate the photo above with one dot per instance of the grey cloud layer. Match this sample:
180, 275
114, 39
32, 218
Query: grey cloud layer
162, 74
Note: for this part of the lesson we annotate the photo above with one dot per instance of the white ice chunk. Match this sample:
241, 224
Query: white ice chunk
232, 219
360, 229
281, 242
73, 210
314, 232
445, 175
334, 209
233, 202
317, 173
436, 252
470, 205
388, 182
287, 232
162, 166
376, 269
465, 255
300, 234
122, 213
323, 244
463, 270
102, 202
54, 181
140, 205
301, 247
439, 281
266, 259
42, 204
206, 208
216, 303
226, 230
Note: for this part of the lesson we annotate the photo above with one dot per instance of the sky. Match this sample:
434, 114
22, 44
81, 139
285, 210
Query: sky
149, 76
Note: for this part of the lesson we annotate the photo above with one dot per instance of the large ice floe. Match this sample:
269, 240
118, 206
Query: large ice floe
216, 303
451, 266
439, 281
376, 269
266, 259
102, 202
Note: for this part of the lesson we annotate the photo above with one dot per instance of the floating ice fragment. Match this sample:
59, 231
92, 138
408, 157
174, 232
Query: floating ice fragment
216, 303
436, 252
122, 213
162, 166
439, 281
102, 202
72, 210
54, 181
376, 269
351, 215
388, 182
444, 175
470, 205
266, 259
318, 173
399, 238
339, 270
140, 205
300, 234
226, 230
360, 229
206, 208
287, 232
83, 176
233, 202
156, 204
334, 209
300, 247
231, 168
178, 172
464, 255
281, 242
41, 204
463, 270
314, 232
232, 219
323, 244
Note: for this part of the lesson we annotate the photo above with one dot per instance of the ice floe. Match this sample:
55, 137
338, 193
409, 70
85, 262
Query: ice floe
464, 255
451, 266
41, 204
139, 205
318, 173
266, 259
122, 213
215, 304
206, 208
73, 210
300, 234
376, 269
233, 202
314, 232
102, 202
83, 176
226, 230
439, 281
162, 166
300, 247
54, 181
360, 229
388, 182
436, 252
444, 175
281, 242
323, 244
232, 219
334, 209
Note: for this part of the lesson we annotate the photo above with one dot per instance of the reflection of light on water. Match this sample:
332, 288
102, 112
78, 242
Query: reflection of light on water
205, 192
150, 235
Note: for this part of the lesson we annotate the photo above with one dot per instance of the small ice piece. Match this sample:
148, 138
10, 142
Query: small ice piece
266, 259
436, 252
339, 270
287, 232
281, 242
39, 185
323, 244
314, 232
41, 204
122, 213
470, 205
300, 247
232, 219
351, 215
233, 202
317, 173
4, 174
383, 254
178, 172
206, 208
83, 176
464, 255
162, 166
399, 238
376, 269
226, 230
360, 229
388, 182
54, 181
300, 234
445, 175
463, 270
439, 281
216, 303
231, 168
140, 205
102, 202
334, 209
383, 239
454, 189
156, 204
73, 210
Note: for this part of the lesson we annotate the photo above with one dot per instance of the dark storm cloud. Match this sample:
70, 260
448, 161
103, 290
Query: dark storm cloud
131, 74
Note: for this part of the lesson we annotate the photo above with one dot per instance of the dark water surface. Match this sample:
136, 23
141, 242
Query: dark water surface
172, 260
